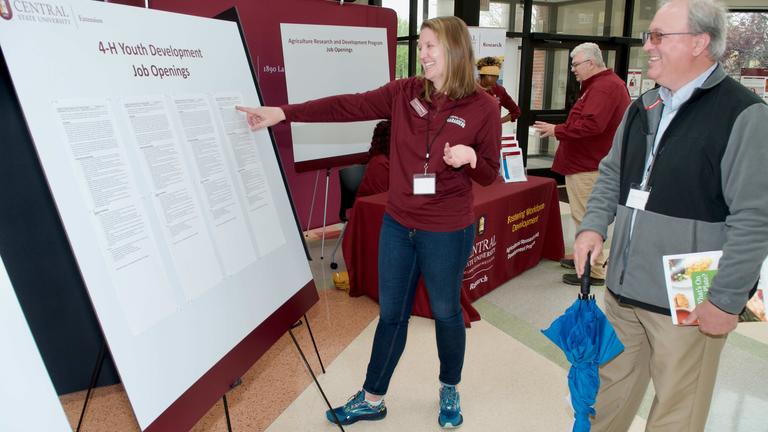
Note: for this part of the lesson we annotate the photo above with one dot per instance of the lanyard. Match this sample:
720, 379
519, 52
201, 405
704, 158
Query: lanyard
428, 142
654, 149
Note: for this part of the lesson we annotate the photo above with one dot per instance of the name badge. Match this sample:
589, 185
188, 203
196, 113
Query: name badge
418, 107
637, 198
424, 184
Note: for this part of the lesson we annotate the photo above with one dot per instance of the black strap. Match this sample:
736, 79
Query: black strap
430, 143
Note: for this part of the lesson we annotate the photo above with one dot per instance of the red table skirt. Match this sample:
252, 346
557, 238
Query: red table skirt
516, 225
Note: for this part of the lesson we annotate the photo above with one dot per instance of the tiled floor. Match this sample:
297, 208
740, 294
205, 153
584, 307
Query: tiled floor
521, 382
514, 378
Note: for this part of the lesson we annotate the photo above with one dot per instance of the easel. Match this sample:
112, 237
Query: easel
94, 378
325, 208
103, 353
306, 363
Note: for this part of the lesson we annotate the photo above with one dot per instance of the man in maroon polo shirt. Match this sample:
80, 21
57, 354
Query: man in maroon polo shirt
586, 136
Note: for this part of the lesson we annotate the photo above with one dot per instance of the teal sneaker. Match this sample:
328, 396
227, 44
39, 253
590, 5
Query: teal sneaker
450, 412
357, 409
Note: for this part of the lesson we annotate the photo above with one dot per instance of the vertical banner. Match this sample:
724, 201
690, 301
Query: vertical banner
489, 42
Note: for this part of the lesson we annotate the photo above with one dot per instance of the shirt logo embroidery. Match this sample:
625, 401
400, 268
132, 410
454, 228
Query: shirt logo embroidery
457, 121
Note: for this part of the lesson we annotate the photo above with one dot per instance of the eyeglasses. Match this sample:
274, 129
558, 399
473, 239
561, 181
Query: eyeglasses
575, 65
655, 37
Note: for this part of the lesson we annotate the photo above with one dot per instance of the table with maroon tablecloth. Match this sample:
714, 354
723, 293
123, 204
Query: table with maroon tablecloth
516, 226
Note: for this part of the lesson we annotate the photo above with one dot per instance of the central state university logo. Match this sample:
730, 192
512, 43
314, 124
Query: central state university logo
35, 11
481, 225
5, 9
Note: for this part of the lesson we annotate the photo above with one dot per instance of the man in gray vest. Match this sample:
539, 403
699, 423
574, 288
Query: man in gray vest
686, 173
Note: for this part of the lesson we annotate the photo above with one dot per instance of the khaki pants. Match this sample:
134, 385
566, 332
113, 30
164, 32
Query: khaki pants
681, 361
579, 186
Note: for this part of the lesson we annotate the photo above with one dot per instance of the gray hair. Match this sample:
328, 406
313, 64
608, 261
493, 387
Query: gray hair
591, 51
710, 17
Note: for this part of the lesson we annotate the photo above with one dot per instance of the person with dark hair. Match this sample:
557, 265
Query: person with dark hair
376, 177
684, 175
489, 69
445, 134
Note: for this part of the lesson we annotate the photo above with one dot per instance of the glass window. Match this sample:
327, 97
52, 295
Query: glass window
747, 43
401, 56
540, 17
548, 89
439, 8
550, 77
401, 8
616, 20
497, 15
429, 8
643, 15
581, 17
638, 59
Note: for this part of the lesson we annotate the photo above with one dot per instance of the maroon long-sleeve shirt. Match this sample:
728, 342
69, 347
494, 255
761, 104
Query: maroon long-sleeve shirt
586, 135
472, 121
376, 177
505, 100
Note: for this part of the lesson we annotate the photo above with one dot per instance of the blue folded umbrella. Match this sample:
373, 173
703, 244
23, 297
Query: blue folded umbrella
588, 341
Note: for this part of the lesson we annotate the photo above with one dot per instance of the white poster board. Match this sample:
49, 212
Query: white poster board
323, 60
28, 401
176, 213
489, 42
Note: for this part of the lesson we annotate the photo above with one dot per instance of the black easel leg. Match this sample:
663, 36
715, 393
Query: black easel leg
306, 363
94, 377
312, 336
226, 413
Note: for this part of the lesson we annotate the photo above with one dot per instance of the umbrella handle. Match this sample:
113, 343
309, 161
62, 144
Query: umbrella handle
584, 292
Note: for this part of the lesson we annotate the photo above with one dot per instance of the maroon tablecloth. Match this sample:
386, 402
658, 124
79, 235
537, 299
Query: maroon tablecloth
516, 225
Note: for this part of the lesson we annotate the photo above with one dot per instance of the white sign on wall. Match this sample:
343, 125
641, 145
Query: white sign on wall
634, 82
176, 212
489, 42
757, 85
323, 60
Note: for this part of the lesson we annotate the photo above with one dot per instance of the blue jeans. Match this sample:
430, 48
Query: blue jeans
440, 258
